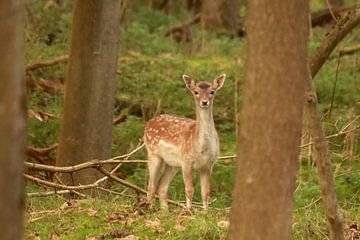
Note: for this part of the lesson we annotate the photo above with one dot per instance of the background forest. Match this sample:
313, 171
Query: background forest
153, 55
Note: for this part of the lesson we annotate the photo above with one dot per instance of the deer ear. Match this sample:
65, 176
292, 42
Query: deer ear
189, 82
219, 81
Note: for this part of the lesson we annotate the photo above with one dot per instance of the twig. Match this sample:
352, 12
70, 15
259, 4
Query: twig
334, 87
319, 198
75, 168
331, 10
48, 193
71, 191
312, 203
349, 50
61, 186
333, 135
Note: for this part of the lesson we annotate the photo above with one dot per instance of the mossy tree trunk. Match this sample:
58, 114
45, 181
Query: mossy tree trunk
271, 119
12, 119
86, 131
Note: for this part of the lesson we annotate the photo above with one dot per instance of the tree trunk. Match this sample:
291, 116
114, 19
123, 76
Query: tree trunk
86, 131
211, 15
12, 119
338, 32
194, 6
220, 15
323, 162
336, 3
231, 15
270, 129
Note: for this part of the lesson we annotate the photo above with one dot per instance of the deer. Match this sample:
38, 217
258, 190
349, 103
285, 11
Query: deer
174, 142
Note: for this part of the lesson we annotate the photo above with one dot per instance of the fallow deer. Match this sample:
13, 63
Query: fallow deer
174, 142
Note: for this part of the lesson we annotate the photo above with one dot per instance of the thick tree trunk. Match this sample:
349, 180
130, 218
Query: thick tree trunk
12, 119
270, 129
86, 131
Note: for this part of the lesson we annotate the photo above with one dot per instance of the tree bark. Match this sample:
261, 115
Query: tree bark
336, 3
231, 15
323, 161
220, 15
339, 31
12, 119
211, 15
270, 129
86, 131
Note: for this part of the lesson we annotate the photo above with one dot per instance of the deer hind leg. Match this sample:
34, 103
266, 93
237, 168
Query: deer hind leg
155, 166
164, 182
189, 189
205, 186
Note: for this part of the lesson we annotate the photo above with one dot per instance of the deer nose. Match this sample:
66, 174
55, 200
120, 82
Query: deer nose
204, 103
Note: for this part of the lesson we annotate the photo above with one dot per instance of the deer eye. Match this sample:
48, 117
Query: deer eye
196, 92
212, 92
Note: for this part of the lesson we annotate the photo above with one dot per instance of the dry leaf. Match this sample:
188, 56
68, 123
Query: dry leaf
179, 227
130, 237
54, 236
153, 224
32, 114
90, 238
91, 212
114, 217
65, 205
223, 224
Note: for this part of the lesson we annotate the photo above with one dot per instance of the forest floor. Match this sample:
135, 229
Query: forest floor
151, 63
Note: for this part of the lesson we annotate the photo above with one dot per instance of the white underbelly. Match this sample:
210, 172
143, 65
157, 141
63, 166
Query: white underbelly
171, 154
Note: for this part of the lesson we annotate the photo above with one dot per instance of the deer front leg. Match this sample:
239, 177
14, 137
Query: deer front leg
205, 187
164, 182
189, 189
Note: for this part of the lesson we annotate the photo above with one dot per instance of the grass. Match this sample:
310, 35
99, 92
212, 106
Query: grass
151, 63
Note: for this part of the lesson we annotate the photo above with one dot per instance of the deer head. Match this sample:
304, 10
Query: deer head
204, 92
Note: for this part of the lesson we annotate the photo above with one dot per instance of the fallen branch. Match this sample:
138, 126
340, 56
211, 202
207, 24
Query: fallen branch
181, 33
42, 155
42, 64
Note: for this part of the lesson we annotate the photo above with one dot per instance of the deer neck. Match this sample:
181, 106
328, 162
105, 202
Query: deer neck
205, 127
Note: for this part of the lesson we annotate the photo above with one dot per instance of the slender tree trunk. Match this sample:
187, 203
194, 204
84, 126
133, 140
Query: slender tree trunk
270, 129
340, 30
12, 119
323, 162
86, 131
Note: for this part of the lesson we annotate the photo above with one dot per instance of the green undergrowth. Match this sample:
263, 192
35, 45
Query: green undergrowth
149, 82
55, 217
